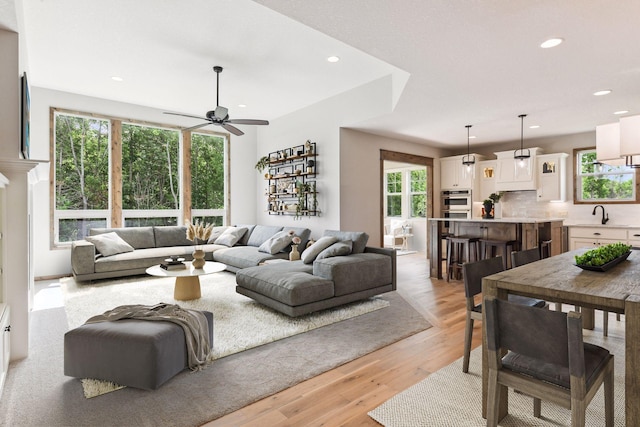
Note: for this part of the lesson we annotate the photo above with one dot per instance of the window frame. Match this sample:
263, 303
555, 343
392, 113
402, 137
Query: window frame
577, 185
406, 193
400, 194
115, 215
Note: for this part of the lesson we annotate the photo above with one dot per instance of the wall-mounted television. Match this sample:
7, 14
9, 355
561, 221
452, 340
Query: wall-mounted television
26, 122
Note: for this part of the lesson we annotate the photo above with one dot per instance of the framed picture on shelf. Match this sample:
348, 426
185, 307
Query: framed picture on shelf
25, 125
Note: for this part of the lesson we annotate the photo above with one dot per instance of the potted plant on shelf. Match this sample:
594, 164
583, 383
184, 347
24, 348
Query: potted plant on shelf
487, 204
263, 162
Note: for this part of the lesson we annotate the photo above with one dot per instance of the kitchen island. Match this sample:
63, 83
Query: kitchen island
527, 232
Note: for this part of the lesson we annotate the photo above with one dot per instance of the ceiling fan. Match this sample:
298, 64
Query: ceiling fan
220, 116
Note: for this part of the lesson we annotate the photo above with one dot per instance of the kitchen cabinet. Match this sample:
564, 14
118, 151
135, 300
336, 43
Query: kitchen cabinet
487, 172
456, 176
514, 175
591, 237
552, 177
633, 237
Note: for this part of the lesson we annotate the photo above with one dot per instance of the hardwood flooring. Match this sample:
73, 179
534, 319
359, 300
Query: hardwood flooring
344, 395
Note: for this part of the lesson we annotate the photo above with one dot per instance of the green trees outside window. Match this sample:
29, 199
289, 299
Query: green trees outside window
418, 193
394, 194
150, 168
151, 175
207, 175
602, 183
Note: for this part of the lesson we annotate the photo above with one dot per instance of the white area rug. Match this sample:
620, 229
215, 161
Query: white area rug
239, 322
450, 397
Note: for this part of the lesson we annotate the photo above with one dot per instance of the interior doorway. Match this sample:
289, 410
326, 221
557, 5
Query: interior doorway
406, 200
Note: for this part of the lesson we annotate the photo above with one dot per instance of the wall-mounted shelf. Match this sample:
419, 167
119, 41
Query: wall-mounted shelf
291, 181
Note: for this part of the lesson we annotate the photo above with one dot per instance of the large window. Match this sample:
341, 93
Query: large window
207, 178
394, 194
406, 193
600, 183
108, 174
81, 184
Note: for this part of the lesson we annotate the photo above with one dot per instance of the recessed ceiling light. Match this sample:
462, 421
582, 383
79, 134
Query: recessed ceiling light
472, 137
621, 112
242, 105
602, 92
552, 42
117, 79
534, 126
333, 59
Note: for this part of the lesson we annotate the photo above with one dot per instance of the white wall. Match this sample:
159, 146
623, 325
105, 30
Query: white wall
54, 261
10, 98
321, 123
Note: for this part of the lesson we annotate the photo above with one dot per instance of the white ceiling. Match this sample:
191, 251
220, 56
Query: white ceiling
467, 62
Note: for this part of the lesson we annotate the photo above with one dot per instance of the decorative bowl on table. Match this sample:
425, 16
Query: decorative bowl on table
603, 258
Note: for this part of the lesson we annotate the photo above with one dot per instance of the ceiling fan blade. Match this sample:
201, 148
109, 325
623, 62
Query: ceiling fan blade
198, 126
234, 130
185, 115
248, 122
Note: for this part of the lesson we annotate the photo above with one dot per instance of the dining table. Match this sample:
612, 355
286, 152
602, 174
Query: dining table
559, 279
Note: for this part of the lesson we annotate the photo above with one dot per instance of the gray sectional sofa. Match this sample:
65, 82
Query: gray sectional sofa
345, 270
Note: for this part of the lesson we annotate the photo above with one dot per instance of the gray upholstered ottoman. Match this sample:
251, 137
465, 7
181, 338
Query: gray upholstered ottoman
135, 353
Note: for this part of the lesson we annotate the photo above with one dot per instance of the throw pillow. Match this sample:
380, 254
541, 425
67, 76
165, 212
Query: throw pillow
276, 243
109, 244
230, 236
216, 232
310, 254
337, 249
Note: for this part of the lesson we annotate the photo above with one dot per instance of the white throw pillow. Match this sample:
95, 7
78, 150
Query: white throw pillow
276, 243
337, 249
230, 236
312, 251
109, 244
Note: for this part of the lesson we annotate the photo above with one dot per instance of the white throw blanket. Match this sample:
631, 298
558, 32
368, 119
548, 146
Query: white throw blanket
193, 322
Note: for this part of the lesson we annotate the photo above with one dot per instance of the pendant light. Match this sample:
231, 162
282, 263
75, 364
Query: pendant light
630, 140
468, 160
521, 154
608, 145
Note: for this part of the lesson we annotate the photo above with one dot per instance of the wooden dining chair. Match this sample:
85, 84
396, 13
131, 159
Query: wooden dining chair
531, 255
473, 272
565, 370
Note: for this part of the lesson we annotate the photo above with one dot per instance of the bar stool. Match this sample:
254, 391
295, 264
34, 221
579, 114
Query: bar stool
545, 248
460, 250
490, 247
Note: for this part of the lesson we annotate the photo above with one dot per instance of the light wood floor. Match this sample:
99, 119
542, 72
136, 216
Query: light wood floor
344, 395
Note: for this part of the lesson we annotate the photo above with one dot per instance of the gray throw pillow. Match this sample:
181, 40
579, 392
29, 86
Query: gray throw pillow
310, 254
230, 236
216, 232
276, 243
109, 244
337, 249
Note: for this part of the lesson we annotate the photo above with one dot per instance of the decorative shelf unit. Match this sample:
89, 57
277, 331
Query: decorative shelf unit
291, 181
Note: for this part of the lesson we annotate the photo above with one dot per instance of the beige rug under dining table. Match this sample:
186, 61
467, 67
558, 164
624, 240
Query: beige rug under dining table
558, 279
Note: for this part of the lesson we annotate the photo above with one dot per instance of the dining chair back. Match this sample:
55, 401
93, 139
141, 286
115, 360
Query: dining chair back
519, 258
473, 272
548, 362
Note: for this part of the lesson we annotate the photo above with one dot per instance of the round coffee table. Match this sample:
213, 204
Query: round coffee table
187, 285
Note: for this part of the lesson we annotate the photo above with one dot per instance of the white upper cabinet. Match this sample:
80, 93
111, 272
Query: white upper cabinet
487, 172
516, 175
456, 176
552, 177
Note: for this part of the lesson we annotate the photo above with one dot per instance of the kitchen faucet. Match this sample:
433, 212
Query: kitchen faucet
604, 220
